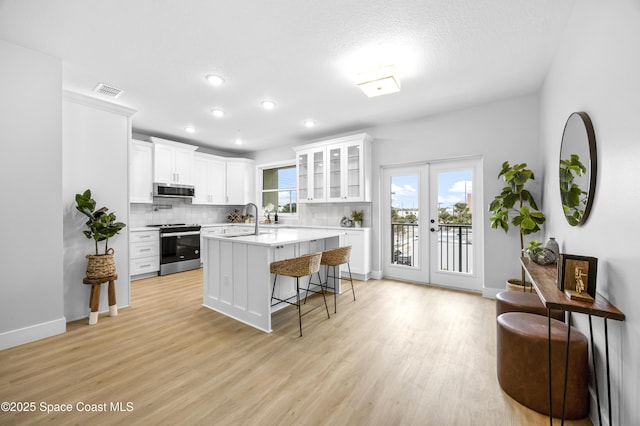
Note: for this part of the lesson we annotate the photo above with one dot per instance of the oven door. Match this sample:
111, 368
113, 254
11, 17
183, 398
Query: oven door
179, 246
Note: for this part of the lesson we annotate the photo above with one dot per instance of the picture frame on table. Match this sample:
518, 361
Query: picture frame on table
577, 276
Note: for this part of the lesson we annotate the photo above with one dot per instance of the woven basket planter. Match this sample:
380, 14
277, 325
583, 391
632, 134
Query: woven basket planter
102, 265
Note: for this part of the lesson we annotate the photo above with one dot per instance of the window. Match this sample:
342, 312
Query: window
279, 188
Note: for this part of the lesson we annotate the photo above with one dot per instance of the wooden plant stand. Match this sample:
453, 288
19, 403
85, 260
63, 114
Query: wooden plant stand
94, 299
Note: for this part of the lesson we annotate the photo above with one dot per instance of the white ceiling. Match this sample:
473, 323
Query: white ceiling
305, 55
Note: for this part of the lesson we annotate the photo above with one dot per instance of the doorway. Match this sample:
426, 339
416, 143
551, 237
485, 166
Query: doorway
431, 221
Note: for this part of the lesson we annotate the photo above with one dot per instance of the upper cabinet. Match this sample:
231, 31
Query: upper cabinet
209, 178
220, 180
240, 181
140, 172
312, 175
172, 161
337, 170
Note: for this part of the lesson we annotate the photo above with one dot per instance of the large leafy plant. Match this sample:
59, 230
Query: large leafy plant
102, 224
515, 205
573, 197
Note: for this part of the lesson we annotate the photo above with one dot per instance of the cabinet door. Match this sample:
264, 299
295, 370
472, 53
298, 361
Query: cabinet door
359, 251
163, 159
200, 180
335, 175
183, 166
319, 168
303, 177
141, 173
354, 172
235, 183
217, 180
311, 172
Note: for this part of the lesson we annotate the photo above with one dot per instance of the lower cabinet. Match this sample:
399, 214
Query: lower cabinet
144, 253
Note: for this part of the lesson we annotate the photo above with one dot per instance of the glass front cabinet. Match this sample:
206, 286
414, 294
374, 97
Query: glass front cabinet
311, 176
337, 170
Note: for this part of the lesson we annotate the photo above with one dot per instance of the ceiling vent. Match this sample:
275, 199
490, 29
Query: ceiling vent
105, 89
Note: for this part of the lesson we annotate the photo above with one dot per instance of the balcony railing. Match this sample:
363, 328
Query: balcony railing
454, 246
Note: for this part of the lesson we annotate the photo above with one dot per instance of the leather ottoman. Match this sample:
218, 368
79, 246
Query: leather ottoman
520, 301
522, 364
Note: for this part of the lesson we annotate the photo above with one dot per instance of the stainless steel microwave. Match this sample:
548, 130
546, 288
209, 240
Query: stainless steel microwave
174, 190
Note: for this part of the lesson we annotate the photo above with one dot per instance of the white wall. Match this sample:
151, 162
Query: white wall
497, 131
597, 70
96, 145
31, 303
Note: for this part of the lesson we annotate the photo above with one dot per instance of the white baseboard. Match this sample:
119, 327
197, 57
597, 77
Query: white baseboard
376, 275
32, 333
490, 292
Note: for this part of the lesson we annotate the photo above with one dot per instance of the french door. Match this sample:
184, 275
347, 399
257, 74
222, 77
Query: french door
432, 216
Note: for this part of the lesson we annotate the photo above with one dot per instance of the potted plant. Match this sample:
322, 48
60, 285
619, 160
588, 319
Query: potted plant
516, 205
357, 216
101, 226
539, 254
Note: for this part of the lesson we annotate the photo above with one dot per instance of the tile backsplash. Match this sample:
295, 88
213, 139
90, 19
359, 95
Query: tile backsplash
178, 210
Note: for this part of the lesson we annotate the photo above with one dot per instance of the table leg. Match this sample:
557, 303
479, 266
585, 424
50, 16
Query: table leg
550, 375
566, 367
94, 303
113, 306
606, 348
595, 371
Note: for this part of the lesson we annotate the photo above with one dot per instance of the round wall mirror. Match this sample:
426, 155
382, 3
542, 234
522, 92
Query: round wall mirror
578, 168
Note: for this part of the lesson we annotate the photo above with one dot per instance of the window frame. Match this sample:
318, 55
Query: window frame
260, 182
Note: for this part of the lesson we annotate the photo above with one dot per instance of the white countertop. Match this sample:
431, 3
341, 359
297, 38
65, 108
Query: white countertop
275, 237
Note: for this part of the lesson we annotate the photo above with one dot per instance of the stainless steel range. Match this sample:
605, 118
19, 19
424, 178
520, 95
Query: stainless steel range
179, 247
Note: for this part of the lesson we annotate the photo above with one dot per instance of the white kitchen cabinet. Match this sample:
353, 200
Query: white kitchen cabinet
172, 162
360, 259
144, 253
209, 178
311, 172
346, 172
141, 172
336, 170
240, 179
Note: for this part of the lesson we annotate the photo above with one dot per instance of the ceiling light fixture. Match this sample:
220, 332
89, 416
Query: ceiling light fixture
190, 129
215, 80
379, 81
309, 123
238, 139
268, 105
217, 112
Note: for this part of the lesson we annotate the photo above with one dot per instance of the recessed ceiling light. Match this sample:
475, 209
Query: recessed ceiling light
238, 141
217, 112
190, 129
268, 105
309, 123
215, 80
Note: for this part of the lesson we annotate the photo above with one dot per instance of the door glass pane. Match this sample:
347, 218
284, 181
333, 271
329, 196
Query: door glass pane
303, 176
318, 175
455, 237
353, 167
334, 173
405, 214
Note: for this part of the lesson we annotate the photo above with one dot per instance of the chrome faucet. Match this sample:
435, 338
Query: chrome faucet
256, 216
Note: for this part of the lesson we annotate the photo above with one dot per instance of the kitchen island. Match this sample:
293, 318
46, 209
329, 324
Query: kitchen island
237, 281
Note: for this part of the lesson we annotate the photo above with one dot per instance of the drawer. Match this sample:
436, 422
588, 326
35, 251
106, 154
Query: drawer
144, 265
144, 249
141, 236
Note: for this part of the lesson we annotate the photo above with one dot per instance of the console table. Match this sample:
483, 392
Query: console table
544, 280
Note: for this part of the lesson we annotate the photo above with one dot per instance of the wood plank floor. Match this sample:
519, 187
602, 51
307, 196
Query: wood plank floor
402, 354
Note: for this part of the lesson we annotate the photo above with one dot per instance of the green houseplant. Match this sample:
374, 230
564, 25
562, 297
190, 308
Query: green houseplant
357, 216
101, 225
516, 206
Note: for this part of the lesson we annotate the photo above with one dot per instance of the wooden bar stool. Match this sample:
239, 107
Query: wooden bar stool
297, 267
94, 299
333, 258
